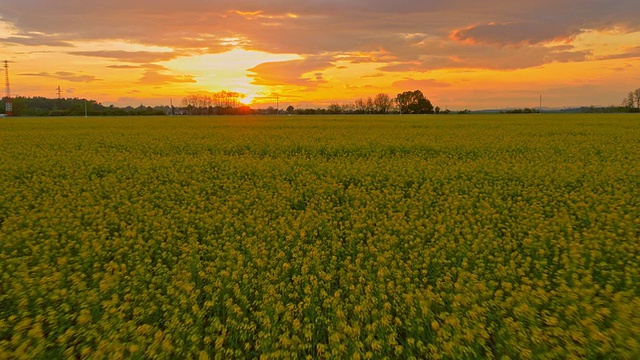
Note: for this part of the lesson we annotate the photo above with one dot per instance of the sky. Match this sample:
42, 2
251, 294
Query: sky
462, 54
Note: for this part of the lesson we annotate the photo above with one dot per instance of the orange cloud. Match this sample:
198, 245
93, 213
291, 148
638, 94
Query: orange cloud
291, 72
157, 78
129, 56
516, 33
419, 84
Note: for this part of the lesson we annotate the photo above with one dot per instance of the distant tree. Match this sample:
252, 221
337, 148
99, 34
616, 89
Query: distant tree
632, 101
20, 106
334, 109
360, 106
222, 102
403, 100
629, 101
437, 109
40, 106
290, 109
369, 106
414, 102
522, 111
382, 103
347, 108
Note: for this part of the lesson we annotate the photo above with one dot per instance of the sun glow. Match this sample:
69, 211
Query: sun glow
227, 71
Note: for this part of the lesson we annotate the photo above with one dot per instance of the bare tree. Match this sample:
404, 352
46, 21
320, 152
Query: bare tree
369, 106
347, 108
382, 103
629, 101
632, 101
360, 106
334, 108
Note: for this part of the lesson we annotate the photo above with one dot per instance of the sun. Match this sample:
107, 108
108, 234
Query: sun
248, 99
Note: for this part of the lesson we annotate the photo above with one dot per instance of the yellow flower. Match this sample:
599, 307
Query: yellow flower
435, 326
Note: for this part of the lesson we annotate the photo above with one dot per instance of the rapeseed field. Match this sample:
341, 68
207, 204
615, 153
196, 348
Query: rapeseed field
355, 237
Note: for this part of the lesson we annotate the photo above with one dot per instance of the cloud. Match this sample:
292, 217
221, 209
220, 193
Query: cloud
629, 53
402, 67
129, 56
433, 55
291, 72
31, 38
567, 56
419, 84
517, 33
123, 67
360, 57
35, 41
143, 66
156, 78
65, 75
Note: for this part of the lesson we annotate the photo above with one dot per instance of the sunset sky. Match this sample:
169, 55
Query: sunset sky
309, 53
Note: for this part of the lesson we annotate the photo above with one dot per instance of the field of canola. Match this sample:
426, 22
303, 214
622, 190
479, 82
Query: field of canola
364, 237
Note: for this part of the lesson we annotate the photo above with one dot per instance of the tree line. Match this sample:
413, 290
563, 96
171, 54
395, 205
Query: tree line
41, 106
229, 103
408, 102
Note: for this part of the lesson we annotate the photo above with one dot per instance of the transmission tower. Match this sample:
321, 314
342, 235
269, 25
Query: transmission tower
59, 92
7, 89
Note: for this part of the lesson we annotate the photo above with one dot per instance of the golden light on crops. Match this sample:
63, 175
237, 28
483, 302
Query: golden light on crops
330, 237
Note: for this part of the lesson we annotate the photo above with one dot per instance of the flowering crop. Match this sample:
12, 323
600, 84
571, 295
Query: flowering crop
320, 237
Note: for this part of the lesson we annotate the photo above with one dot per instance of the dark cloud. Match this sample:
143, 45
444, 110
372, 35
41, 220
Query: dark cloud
517, 33
34, 41
34, 38
434, 55
630, 53
64, 75
129, 56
